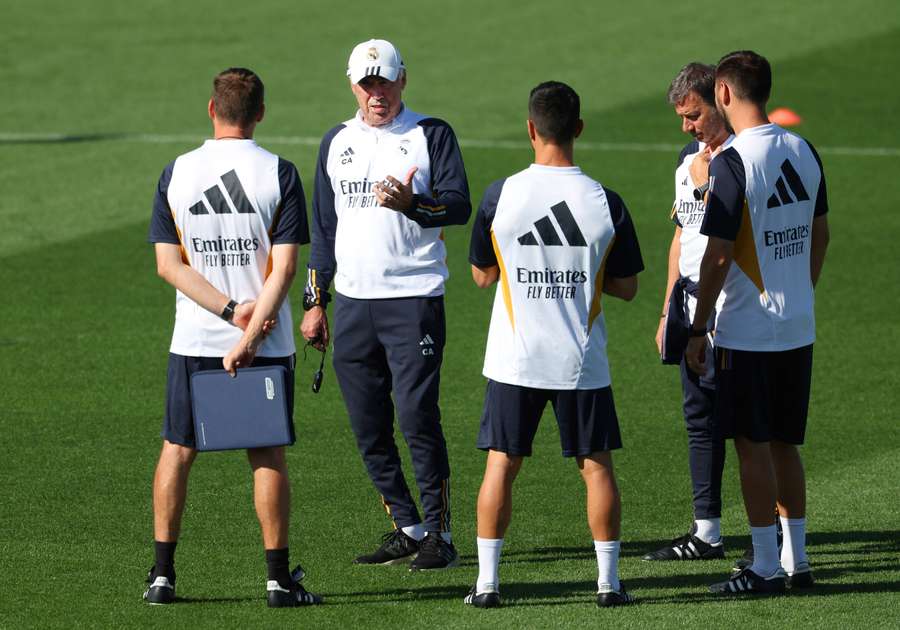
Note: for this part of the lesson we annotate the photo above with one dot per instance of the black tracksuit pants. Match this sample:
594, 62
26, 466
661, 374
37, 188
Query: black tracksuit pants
395, 346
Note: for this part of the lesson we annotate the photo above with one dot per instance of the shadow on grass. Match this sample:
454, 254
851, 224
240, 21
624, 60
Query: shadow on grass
64, 138
217, 600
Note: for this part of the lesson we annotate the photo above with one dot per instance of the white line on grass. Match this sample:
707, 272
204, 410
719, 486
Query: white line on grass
627, 147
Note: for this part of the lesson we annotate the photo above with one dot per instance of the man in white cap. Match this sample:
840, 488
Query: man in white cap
388, 180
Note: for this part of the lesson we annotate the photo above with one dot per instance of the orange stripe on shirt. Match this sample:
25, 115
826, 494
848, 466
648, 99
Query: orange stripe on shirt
504, 283
745, 250
596, 307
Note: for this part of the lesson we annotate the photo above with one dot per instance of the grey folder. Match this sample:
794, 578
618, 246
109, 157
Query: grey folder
247, 411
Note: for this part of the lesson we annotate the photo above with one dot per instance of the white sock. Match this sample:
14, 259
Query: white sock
416, 532
765, 550
488, 564
793, 550
708, 529
607, 564
447, 537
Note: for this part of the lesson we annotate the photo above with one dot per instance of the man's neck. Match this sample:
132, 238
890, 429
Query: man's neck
546, 154
716, 142
231, 132
747, 117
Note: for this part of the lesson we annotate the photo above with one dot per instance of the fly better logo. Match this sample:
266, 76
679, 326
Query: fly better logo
548, 233
783, 198
216, 199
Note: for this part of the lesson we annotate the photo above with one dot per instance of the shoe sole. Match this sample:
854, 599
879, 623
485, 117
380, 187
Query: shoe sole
403, 560
450, 565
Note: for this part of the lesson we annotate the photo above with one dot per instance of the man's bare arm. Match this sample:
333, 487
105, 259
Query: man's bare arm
485, 276
713, 271
820, 237
284, 267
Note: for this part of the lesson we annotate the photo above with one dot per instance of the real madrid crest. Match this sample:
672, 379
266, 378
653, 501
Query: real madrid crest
373, 53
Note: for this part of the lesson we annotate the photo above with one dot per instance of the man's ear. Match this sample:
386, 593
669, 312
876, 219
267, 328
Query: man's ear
724, 93
532, 132
262, 112
211, 109
579, 127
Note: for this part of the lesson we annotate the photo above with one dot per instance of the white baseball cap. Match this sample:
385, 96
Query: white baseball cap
376, 57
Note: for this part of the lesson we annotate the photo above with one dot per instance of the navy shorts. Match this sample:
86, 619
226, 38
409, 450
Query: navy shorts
178, 426
586, 417
763, 396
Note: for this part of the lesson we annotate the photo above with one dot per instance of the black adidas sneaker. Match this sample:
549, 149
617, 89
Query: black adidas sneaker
688, 547
396, 547
746, 582
434, 553
294, 595
485, 599
607, 598
160, 589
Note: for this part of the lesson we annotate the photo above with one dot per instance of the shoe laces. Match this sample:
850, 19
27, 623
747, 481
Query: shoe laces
431, 543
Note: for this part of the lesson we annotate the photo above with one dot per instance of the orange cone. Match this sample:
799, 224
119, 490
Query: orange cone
784, 117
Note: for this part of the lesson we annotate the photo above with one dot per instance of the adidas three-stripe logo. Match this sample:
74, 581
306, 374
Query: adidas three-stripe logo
548, 233
781, 197
216, 199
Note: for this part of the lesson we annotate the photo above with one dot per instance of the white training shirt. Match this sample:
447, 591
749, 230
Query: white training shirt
687, 213
555, 233
370, 251
226, 203
764, 191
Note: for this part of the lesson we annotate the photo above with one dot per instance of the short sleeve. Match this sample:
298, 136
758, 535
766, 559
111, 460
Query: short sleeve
624, 259
481, 247
822, 194
725, 200
290, 224
162, 223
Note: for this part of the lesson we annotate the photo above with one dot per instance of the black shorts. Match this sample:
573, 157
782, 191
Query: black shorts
763, 396
586, 417
178, 426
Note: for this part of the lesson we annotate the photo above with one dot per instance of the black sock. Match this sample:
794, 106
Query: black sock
165, 560
277, 564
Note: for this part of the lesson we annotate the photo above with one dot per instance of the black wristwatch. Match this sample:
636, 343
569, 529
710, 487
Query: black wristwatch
228, 311
693, 332
699, 191
309, 301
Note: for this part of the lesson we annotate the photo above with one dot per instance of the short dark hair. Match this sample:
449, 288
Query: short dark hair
555, 110
238, 96
749, 75
696, 77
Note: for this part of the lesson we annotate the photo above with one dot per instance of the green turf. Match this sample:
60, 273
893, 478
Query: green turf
86, 323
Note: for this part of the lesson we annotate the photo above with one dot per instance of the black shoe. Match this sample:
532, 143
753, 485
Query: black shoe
610, 598
487, 599
434, 553
688, 547
801, 577
294, 595
396, 547
160, 589
747, 559
746, 582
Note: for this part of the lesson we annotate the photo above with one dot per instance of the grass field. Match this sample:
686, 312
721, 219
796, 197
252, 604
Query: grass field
99, 96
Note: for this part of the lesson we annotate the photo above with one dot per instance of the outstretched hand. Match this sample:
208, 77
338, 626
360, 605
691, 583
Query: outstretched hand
394, 194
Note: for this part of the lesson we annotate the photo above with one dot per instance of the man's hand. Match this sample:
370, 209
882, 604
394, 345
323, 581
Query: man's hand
314, 328
241, 356
699, 168
393, 194
659, 334
243, 313
695, 354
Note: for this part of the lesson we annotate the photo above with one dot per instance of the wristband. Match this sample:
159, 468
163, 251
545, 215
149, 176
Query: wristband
228, 311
